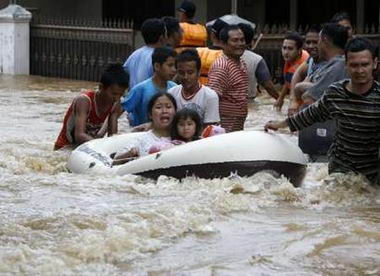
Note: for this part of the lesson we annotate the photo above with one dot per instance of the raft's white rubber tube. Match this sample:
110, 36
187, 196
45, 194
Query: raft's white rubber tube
94, 156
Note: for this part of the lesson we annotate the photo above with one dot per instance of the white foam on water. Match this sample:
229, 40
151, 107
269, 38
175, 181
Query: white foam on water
58, 223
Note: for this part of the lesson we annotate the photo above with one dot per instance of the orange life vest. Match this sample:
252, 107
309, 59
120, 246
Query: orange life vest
208, 56
194, 35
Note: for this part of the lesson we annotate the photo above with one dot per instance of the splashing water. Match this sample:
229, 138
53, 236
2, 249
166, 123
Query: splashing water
57, 223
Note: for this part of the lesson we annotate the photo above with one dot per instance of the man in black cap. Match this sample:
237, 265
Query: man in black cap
194, 35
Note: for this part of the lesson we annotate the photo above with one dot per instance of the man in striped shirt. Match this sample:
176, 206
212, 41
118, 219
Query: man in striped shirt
354, 105
229, 78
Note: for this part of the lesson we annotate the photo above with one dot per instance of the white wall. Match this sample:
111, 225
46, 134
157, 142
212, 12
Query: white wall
14, 40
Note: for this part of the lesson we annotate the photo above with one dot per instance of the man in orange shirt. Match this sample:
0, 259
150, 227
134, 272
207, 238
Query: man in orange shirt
294, 56
194, 35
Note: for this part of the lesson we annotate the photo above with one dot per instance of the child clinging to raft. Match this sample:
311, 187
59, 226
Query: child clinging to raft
186, 127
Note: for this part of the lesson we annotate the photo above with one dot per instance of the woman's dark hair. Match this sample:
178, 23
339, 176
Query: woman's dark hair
159, 95
114, 74
189, 55
359, 44
160, 55
183, 114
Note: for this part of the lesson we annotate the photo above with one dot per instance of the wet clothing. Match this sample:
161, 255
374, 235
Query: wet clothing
229, 78
194, 35
233, 123
257, 69
332, 71
291, 67
93, 124
313, 66
139, 65
143, 143
136, 102
208, 56
356, 143
205, 102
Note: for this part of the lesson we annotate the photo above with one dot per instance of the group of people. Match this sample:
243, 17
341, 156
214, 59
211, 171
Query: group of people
178, 87
342, 88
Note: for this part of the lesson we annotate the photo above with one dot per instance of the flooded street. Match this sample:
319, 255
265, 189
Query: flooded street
57, 223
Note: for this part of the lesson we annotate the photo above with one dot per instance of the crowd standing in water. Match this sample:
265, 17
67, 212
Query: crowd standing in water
326, 78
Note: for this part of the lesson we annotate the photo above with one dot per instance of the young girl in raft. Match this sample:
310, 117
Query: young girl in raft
186, 127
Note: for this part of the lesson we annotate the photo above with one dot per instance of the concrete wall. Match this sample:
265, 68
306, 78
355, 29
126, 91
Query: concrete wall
14, 40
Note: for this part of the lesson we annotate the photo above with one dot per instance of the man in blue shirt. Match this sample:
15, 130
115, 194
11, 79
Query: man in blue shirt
136, 103
139, 63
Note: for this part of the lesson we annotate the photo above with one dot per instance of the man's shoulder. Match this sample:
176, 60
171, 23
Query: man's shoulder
337, 61
170, 84
85, 95
209, 92
175, 89
376, 85
221, 61
339, 85
142, 51
376, 88
337, 89
146, 84
251, 55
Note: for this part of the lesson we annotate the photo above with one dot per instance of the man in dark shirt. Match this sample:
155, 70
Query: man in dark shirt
354, 105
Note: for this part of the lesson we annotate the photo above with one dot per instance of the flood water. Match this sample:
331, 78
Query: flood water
57, 223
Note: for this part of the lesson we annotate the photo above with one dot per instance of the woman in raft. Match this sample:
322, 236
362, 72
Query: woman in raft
167, 129
161, 109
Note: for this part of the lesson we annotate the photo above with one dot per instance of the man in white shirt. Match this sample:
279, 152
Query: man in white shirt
191, 93
258, 72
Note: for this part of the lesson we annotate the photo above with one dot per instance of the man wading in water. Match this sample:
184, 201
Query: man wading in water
354, 105
90, 111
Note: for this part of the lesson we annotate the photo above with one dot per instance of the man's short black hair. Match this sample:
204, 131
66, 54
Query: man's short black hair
217, 26
296, 38
114, 74
248, 32
339, 16
223, 36
160, 55
315, 28
189, 55
172, 25
188, 8
336, 34
152, 29
359, 44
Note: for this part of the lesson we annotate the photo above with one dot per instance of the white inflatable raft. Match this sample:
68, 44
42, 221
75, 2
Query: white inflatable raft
243, 153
